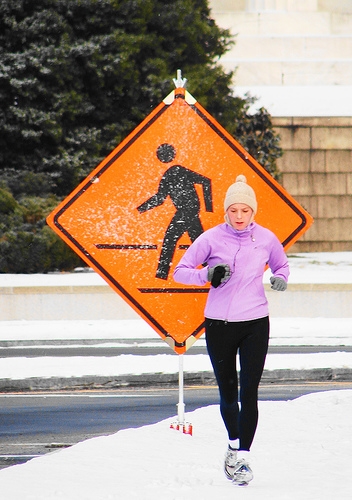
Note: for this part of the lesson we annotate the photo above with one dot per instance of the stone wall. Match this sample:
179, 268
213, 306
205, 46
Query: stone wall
287, 42
317, 171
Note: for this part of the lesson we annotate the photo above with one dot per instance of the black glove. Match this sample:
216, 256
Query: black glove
278, 284
219, 274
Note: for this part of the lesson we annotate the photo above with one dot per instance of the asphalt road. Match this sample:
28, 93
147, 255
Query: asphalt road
34, 424
140, 349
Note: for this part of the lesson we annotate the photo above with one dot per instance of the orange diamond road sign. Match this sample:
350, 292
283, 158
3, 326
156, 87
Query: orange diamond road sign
133, 217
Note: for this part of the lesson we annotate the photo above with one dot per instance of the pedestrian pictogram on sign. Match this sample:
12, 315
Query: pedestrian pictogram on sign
179, 183
133, 217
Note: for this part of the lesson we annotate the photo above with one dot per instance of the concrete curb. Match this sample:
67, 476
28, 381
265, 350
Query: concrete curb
311, 375
162, 379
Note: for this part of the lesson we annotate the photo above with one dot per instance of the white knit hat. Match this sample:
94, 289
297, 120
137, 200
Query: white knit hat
240, 192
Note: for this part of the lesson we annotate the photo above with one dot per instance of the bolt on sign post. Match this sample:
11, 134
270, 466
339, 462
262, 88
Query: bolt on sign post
134, 216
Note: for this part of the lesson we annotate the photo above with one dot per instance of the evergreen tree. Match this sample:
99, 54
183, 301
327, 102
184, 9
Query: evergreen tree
76, 76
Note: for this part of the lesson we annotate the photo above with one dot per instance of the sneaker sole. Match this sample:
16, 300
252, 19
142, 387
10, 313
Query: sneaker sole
240, 483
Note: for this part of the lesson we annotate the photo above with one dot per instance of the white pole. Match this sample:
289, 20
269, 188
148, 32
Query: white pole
181, 405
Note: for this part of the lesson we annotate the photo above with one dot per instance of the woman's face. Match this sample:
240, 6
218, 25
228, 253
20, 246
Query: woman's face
240, 215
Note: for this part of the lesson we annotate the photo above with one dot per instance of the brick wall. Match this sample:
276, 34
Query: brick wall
317, 171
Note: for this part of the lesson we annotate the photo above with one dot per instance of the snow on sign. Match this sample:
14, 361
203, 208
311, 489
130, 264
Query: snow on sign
134, 216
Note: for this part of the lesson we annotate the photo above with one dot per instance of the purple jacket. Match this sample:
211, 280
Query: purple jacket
247, 252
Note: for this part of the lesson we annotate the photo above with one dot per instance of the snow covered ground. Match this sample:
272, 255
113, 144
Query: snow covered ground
300, 100
302, 449
128, 364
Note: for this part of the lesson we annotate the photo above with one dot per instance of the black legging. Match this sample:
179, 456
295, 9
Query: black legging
250, 339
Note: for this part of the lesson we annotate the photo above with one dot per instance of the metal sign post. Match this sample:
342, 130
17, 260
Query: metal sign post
180, 424
181, 404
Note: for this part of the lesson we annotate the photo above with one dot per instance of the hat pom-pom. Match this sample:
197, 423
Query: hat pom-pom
241, 178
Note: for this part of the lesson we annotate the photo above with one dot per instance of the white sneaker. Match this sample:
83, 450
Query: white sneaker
242, 473
230, 461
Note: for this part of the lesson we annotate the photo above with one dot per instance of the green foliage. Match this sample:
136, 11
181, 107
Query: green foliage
28, 252
77, 76
25, 181
27, 245
8, 203
10, 211
23, 252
